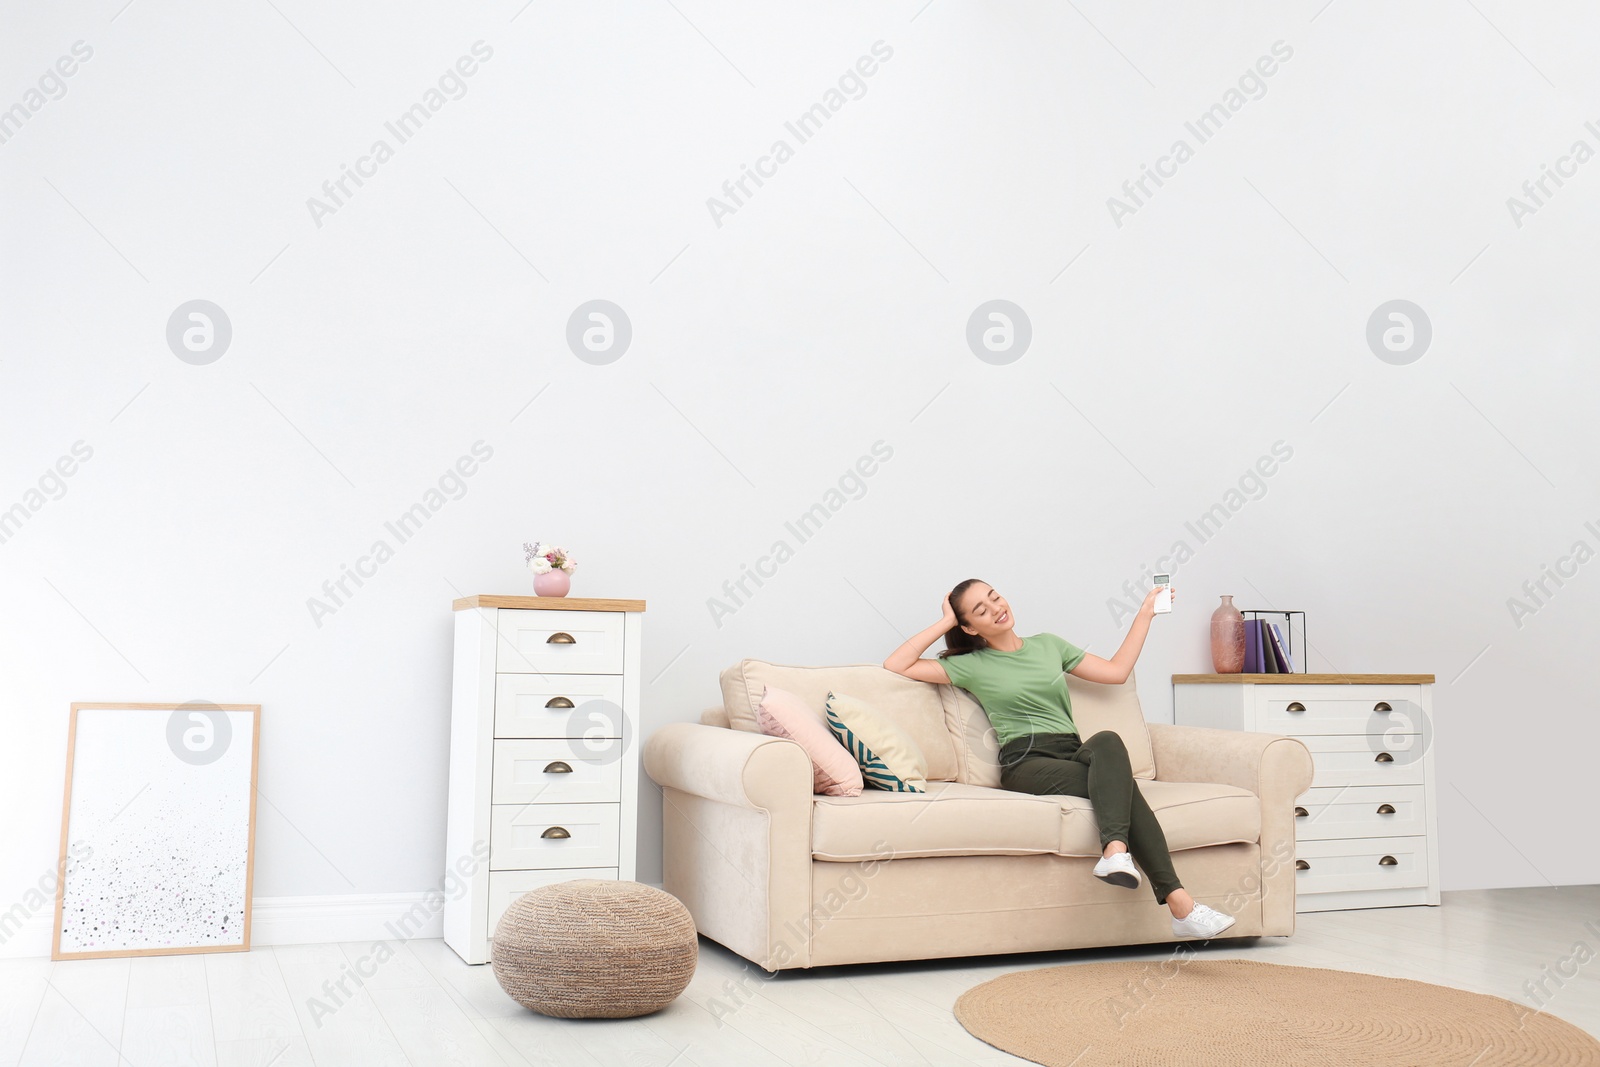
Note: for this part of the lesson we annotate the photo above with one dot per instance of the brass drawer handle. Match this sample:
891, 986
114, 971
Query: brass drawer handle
1383, 757
1295, 706
559, 638
1301, 865
1388, 861
1382, 705
561, 703
558, 767
556, 833
1385, 809
1300, 813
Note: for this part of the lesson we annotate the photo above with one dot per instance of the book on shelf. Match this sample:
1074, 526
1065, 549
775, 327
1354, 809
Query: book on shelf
1279, 649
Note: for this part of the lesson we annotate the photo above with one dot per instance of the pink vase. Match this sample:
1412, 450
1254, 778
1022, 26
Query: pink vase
1227, 638
558, 582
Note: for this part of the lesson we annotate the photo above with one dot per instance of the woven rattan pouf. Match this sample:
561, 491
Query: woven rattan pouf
592, 949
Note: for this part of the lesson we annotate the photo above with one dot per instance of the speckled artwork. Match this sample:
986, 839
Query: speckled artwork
158, 830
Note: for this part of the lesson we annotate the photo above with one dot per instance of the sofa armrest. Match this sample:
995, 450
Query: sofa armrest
737, 767
1277, 769
1269, 765
736, 837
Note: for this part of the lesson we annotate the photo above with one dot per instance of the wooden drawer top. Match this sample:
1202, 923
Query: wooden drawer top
546, 603
1303, 679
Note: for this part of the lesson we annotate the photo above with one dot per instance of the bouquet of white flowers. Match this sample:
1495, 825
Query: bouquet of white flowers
544, 558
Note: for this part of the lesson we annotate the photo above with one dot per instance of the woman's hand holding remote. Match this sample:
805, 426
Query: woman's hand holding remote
1148, 608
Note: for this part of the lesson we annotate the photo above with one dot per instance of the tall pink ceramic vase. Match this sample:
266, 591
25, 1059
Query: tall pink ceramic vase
1227, 638
558, 582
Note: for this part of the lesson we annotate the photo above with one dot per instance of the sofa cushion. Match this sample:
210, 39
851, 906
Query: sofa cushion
950, 819
1191, 814
833, 770
915, 707
1097, 707
977, 744
956, 819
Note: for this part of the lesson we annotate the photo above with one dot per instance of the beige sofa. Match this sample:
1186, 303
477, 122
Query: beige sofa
788, 879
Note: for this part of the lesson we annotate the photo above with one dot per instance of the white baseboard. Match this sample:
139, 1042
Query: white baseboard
31, 937
289, 921
355, 917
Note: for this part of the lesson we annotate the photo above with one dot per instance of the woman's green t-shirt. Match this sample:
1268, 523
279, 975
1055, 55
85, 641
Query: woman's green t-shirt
1023, 692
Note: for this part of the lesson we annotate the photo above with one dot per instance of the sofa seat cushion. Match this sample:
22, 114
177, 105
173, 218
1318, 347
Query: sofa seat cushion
950, 819
954, 819
1191, 814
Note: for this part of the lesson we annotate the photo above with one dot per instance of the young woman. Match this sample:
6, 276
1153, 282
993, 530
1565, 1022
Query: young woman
1022, 687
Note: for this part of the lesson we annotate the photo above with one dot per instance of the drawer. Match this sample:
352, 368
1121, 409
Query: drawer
550, 705
1361, 811
1364, 759
523, 836
506, 886
557, 771
559, 642
1373, 710
1360, 863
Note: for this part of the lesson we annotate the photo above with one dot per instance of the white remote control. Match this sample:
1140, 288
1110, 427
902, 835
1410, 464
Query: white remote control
1164, 597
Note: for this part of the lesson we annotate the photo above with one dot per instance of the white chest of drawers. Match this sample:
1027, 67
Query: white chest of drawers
544, 768
1366, 831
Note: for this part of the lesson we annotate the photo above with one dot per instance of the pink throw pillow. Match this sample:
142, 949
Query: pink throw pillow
834, 771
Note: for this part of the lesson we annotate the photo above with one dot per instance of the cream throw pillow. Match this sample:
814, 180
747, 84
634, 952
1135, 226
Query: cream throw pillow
888, 757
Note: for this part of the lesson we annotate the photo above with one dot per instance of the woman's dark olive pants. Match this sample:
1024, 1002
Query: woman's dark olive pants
1064, 764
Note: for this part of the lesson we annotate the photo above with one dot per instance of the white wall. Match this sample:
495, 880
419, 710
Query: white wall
769, 353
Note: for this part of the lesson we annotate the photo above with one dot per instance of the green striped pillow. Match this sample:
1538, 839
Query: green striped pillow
889, 758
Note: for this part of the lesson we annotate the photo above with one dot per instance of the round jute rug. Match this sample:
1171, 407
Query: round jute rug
1187, 1012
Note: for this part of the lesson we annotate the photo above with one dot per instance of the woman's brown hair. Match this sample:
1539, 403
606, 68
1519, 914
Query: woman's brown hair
956, 640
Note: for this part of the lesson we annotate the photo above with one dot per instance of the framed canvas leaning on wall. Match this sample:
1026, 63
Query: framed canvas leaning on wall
157, 830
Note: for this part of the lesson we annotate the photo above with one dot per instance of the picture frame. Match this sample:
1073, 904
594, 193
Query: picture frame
158, 814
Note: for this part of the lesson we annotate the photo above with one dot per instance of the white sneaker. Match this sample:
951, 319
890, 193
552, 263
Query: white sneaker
1118, 869
1202, 922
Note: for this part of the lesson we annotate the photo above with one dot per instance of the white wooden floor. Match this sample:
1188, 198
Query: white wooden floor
424, 1007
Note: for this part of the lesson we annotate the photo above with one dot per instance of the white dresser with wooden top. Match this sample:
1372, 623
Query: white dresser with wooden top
544, 765
1366, 831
